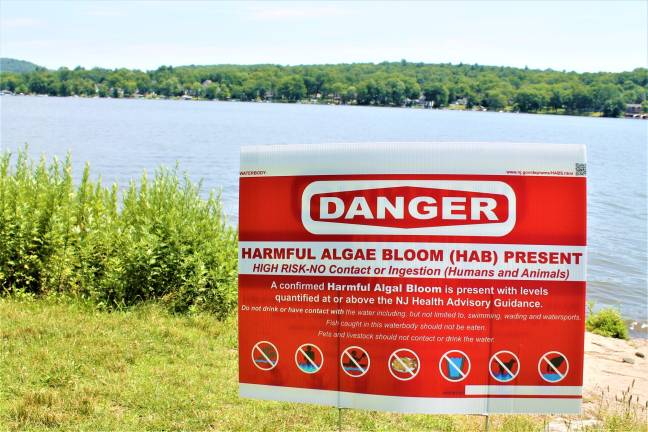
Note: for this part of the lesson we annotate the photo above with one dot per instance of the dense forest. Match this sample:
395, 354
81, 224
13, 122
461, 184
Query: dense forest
385, 84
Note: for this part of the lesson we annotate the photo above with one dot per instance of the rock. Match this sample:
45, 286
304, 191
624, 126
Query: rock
628, 360
556, 426
640, 354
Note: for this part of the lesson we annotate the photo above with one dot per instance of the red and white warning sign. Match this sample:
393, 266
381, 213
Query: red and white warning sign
414, 277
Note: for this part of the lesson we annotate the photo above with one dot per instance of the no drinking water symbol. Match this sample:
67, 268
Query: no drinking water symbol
355, 361
454, 366
404, 364
553, 366
309, 358
504, 366
265, 355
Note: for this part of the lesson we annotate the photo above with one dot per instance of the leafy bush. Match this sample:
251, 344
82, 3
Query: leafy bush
606, 322
158, 239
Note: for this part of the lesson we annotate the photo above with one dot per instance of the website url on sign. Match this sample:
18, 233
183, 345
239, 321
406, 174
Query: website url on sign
540, 173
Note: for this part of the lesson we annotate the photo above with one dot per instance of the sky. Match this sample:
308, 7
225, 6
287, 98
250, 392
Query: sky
582, 35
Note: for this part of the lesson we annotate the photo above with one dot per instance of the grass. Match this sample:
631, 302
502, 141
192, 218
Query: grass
67, 366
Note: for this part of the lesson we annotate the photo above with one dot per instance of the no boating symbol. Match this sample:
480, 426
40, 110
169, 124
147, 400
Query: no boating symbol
355, 361
265, 355
404, 364
504, 366
454, 366
553, 366
309, 358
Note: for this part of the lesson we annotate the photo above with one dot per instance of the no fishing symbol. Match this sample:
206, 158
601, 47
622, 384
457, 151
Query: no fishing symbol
355, 361
454, 366
309, 358
504, 366
265, 355
404, 364
553, 366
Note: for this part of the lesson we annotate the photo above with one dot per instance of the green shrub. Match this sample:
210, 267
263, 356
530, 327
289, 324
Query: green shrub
606, 322
158, 239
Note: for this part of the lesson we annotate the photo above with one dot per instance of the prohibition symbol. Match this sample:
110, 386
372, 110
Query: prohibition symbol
504, 366
454, 365
404, 364
355, 361
553, 366
309, 358
265, 355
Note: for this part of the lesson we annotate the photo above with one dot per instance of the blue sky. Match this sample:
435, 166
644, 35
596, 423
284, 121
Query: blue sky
581, 35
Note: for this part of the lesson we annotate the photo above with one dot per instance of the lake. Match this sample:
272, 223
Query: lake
120, 138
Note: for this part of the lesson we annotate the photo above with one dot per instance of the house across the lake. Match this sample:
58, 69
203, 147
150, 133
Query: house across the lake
635, 111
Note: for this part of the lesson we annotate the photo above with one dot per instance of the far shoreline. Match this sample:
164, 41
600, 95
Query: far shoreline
414, 107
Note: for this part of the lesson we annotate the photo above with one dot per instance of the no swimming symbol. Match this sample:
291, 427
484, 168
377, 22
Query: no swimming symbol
309, 358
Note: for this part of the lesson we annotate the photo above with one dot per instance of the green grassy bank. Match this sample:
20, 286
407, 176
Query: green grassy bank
65, 365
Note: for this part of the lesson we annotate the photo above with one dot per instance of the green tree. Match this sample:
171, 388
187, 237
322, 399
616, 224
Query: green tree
613, 107
292, 88
129, 87
212, 91
557, 97
170, 87
580, 98
350, 94
495, 100
22, 89
371, 92
529, 99
395, 92
436, 93
9, 82
102, 90
38, 84
195, 89
606, 98
412, 88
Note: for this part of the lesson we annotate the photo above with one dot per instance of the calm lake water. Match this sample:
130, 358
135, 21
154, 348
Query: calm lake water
120, 138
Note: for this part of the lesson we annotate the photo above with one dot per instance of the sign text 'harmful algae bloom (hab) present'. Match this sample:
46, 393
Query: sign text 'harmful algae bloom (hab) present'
414, 277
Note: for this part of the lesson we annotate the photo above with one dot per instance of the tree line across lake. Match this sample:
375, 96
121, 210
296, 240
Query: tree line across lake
385, 84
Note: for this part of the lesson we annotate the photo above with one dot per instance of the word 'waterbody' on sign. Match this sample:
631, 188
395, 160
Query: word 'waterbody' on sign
413, 277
